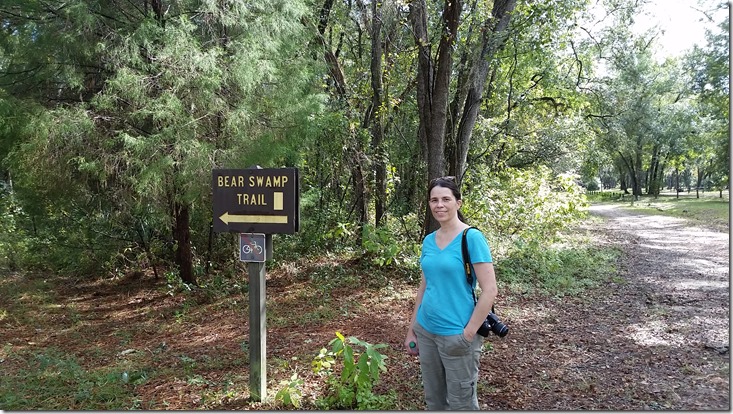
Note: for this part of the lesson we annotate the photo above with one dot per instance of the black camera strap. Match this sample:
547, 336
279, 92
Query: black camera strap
468, 265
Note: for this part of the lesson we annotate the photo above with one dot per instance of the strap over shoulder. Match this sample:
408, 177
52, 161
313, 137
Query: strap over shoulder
466, 256
467, 263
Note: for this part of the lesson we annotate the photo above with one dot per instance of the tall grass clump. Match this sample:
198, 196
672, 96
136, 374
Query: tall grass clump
557, 270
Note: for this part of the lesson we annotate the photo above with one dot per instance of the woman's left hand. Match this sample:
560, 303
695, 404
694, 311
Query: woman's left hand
468, 335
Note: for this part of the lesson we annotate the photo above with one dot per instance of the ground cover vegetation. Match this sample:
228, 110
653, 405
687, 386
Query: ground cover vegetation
139, 343
335, 327
113, 114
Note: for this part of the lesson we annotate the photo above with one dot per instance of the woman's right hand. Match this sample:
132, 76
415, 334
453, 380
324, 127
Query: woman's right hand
411, 344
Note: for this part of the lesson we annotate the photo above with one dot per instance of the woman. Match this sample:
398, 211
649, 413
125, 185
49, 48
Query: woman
444, 322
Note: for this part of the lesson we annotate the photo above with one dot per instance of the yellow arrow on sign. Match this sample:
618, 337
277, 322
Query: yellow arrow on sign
248, 218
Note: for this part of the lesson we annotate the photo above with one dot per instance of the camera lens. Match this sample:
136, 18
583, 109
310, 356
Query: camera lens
498, 328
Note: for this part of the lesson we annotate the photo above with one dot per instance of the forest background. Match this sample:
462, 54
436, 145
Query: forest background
113, 114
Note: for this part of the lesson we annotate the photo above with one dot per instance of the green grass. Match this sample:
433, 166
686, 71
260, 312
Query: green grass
712, 211
557, 270
708, 210
54, 380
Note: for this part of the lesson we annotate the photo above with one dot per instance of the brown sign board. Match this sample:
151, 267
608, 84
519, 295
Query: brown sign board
256, 200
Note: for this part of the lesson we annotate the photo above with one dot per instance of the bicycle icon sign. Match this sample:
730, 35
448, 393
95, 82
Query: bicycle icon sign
252, 247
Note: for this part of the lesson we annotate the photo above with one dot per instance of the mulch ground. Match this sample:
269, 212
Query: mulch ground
656, 337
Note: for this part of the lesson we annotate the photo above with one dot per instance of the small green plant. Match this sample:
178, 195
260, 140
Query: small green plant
174, 283
290, 393
354, 387
184, 312
189, 364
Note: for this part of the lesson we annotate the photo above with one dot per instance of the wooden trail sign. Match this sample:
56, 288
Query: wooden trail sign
256, 200
256, 203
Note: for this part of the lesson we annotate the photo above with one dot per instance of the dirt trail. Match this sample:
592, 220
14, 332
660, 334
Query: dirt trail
684, 269
658, 338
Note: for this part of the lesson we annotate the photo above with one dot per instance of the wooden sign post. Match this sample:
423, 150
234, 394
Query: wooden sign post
257, 332
256, 202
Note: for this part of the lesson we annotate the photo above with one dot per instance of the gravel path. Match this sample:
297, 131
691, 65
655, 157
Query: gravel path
655, 338
683, 269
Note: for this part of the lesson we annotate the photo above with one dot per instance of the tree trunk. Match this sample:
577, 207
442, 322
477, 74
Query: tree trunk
626, 170
360, 198
633, 173
377, 117
210, 249
660, 172
334, 68
433, 84
700, 178
493, 39
354, 149
652, 173
637, 168
146, 248
182, 236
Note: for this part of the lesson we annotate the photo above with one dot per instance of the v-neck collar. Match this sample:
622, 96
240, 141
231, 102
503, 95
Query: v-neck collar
435, 240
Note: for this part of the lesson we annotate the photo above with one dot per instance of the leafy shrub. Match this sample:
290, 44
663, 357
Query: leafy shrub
381, 246
354, 387
592, 185
526, 205
555, 270
290, 394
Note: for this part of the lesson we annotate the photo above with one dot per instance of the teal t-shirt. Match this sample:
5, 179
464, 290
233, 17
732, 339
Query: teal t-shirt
447, 303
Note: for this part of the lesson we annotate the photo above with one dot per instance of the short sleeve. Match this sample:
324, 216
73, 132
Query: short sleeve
478, 247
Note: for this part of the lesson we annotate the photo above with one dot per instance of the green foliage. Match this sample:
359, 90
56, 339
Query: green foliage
340, 233
592, 185
652, 118
330, 276
354, 387
55, 381
109, 115
290, 394
525, 205
162, 103
14, 249
556, 270
380, 245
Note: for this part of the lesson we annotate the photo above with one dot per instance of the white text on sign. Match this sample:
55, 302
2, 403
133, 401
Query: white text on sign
252, 181
251, 200
260, 200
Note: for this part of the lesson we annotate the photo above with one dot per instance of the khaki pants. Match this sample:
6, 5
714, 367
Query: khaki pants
449, 366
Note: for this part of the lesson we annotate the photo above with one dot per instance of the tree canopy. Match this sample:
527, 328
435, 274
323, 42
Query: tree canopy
115, 112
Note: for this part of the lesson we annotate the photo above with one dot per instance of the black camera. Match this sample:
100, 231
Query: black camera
493, 324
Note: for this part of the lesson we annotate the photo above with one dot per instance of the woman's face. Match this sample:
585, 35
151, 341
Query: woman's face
443, 204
